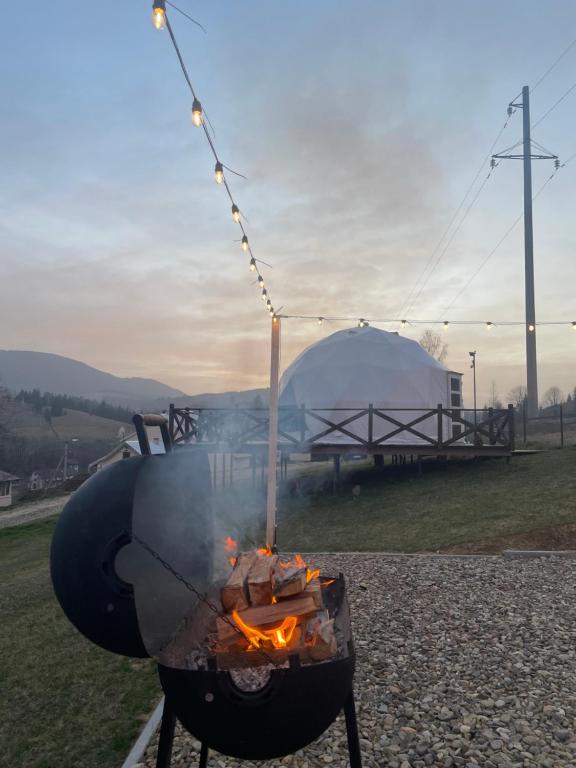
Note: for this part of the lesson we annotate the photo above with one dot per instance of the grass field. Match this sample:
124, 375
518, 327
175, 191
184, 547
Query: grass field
463, 502
64, 703
85, 426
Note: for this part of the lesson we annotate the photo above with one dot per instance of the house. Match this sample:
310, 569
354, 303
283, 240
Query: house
7, 483
125, 450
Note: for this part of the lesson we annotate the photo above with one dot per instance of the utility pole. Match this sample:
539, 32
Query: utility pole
65, 470
527, 156
473, 366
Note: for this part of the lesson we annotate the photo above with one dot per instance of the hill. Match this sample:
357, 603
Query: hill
62, 375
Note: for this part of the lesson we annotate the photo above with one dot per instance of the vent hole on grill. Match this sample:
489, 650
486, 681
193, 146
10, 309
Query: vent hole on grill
209, 697
251, 679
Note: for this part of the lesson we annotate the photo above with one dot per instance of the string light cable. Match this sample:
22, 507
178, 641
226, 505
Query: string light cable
199, 119
365, 322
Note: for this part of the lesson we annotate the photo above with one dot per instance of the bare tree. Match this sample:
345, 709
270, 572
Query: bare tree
552, 396
494, 401
434, 344
517, 395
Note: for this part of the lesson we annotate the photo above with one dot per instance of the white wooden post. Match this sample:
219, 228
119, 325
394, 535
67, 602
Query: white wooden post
273, 433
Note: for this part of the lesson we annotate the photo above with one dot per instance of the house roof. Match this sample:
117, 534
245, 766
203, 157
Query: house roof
133, 446
7, 476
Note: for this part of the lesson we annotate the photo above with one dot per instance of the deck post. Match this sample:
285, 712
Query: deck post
336, 480
273, 434
440, 426
491, 425
370, 424
511, 427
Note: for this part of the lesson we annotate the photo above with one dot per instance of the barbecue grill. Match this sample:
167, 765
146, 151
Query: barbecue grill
132, 558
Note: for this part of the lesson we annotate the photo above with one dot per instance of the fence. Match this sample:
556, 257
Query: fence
554, 429
369, 429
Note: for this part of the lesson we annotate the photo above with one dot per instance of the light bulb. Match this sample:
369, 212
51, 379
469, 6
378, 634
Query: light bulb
264, 294
245, 246
320, 321
574, 326
197, 114
159, 14
403, 323
489, 325
260, 281
271, 310
446, 324
531, 327
219, 172
362, 323
274, 318
268, 304
235, 213
252, 264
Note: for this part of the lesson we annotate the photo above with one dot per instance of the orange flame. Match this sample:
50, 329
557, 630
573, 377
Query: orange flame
264, 551
279, 637
230, 545
232, 561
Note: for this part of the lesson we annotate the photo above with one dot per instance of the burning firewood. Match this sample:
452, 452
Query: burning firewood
288, 581
234, 594
260, 579
263, 616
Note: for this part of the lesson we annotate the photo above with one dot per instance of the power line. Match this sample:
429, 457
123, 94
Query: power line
554, 65
408, 301
553, 107
497, 246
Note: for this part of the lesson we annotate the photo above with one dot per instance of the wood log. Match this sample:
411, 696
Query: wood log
288, 581
264, 616
260, 579
234, 595
314, 589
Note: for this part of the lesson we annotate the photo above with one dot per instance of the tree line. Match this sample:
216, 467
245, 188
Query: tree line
51, 406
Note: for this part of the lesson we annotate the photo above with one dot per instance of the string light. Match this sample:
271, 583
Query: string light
219, 172
403, 323
235, 213
574, 326
264, 295
197, 114
245, 245
362, 323
489, 325
531, 328
260, 281
159, 14
252, 264
320, 321
446, 324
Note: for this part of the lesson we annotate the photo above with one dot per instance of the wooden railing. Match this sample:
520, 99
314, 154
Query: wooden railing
300, 428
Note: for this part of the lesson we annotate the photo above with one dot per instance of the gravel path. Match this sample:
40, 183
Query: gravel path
36, 510
459, 663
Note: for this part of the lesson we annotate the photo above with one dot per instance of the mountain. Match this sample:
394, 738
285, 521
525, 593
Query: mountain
61, 375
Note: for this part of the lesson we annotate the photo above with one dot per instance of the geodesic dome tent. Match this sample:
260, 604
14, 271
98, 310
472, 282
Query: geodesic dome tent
355, 367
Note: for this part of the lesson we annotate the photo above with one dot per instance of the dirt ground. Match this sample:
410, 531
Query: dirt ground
34, 510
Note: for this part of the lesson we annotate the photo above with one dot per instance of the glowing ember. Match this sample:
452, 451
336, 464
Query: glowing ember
230, 545
278, 637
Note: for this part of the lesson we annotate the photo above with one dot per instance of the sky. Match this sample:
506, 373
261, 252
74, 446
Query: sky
359, 126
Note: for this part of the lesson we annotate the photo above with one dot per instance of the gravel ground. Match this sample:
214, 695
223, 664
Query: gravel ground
460, 662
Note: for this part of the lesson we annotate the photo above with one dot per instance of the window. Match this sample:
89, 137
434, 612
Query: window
4, 488
454, 384
455, 399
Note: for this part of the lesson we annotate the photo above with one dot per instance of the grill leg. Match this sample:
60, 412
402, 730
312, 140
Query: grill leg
166, 739
352, 732
203, 756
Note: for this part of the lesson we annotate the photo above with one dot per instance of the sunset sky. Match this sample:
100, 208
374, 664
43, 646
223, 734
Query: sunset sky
359, 126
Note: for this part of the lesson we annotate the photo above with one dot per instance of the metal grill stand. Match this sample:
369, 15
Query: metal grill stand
168, 727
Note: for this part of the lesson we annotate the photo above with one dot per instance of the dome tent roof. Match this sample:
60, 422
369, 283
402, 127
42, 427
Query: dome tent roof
357, 366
